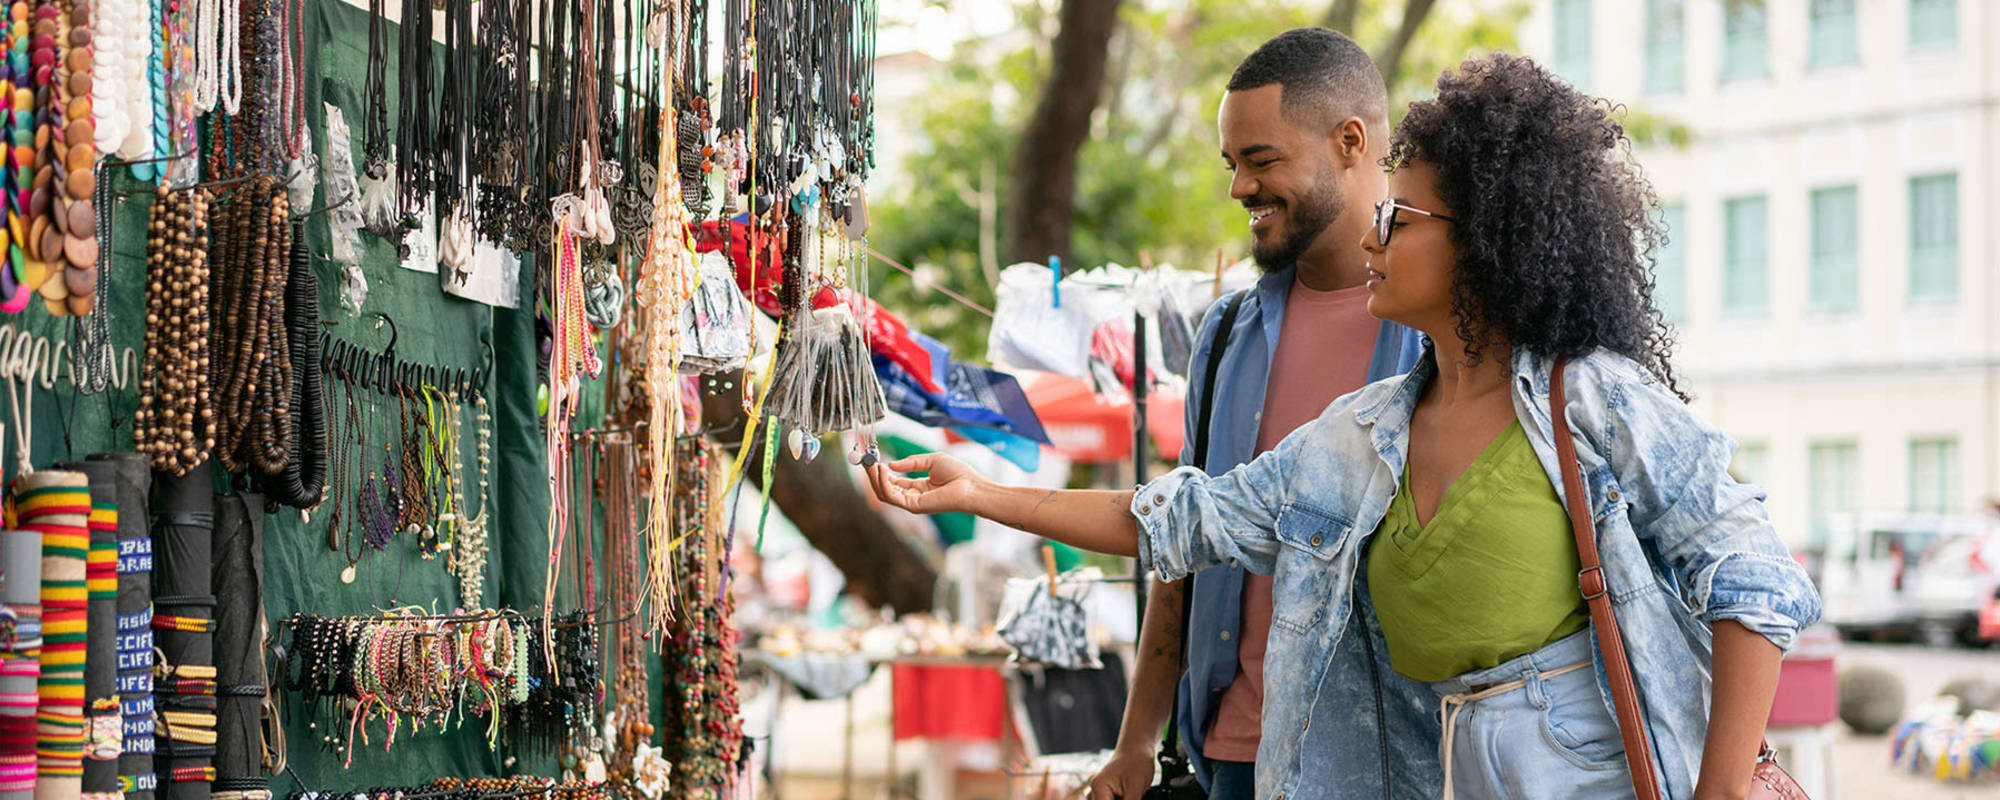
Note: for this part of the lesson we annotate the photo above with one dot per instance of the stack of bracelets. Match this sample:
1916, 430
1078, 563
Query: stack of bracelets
522, 787
353, 671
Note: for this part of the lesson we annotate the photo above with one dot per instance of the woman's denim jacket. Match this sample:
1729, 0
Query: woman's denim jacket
1683, 545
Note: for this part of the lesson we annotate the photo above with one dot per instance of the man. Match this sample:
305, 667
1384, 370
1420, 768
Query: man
1303, 126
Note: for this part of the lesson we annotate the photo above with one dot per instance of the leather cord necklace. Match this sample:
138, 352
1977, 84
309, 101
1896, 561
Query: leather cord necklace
458, 183
375, 130
416, 164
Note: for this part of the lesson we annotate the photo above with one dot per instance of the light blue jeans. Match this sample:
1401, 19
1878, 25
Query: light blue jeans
1533, 727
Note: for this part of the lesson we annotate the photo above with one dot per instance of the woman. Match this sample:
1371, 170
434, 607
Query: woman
1517, 232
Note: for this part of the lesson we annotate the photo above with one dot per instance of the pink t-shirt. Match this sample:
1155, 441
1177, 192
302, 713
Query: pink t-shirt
1324, 348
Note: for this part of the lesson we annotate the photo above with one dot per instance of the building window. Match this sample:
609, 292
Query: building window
1670, 265
1833, 39
1573, 41
1933, 24
1835, 482
1666, 56
1836, 227
1933, 474
1748, 467
1743, 40
1745, 289
1934, 237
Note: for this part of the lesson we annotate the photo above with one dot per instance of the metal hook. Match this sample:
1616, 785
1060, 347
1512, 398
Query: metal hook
351, 197
394, 332
335, 354
382, 371
204, 185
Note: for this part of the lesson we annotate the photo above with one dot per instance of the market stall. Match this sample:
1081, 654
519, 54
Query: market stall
355, 355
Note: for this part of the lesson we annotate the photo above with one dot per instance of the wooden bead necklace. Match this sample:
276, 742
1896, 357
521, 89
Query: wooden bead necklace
175, 421
252, 254
302, 482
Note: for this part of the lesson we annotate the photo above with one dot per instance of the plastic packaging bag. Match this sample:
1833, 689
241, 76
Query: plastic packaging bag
715, 324
1051, 630
1032, 330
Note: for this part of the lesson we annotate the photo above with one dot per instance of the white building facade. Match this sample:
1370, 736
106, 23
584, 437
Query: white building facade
1832, 269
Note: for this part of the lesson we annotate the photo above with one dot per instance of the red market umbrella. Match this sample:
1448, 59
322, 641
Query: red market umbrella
1094, 429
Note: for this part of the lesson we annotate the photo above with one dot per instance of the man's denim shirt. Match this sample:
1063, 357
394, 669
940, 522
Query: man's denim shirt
1216, 615
1683, 546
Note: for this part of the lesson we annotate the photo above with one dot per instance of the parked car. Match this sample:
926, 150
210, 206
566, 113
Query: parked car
1898, 575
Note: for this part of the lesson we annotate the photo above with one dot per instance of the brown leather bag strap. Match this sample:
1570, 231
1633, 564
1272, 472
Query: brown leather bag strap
1590, 579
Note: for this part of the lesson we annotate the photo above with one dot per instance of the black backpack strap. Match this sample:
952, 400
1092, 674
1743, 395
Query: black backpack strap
1215, 351
1170, 756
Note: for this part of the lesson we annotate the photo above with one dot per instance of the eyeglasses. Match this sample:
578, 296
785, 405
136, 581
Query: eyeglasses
1385, 219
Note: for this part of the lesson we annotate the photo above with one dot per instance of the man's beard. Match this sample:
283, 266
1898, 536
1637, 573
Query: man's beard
1304, 223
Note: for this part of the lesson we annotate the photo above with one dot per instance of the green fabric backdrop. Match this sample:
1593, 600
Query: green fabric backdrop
301, 573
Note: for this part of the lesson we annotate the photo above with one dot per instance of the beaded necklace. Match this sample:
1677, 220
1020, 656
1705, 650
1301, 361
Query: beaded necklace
667, 279
468, 555
18, 125
95, 351
179, 31
302, 482
623, 588
571, 357
293, 94
254, 366
174, 422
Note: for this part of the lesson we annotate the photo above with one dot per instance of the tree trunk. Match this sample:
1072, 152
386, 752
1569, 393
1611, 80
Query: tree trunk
822, 500
1042, 198
1389, 60
1340, 16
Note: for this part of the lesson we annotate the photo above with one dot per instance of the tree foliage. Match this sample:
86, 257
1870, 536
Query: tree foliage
1149, 179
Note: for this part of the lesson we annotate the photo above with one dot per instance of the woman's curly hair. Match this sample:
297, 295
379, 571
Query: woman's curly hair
1554, 226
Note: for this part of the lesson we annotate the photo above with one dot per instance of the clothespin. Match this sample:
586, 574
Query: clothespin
1049, 564
1146, 260
1218, 275
1055, 279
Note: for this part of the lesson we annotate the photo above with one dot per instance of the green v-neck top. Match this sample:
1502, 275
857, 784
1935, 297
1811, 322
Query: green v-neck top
1492, 577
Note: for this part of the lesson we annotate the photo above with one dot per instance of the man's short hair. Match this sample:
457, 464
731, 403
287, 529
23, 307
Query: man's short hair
1324, 78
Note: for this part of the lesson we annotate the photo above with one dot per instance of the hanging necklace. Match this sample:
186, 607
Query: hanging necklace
571, 357
468, 555
229, 71
175, 423
415, 161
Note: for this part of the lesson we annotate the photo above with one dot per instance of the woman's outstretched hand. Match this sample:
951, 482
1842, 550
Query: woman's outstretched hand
1093, 520
950, 486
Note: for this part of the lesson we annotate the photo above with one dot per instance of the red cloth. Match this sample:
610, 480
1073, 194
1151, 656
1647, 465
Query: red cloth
887, 334
965, 703
1808, 689
1090, 429
732, 238
889, 337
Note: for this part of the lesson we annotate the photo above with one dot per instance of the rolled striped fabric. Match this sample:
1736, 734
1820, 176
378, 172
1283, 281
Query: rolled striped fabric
184, 612
57, 504
20, 660
135, 622
104, 736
